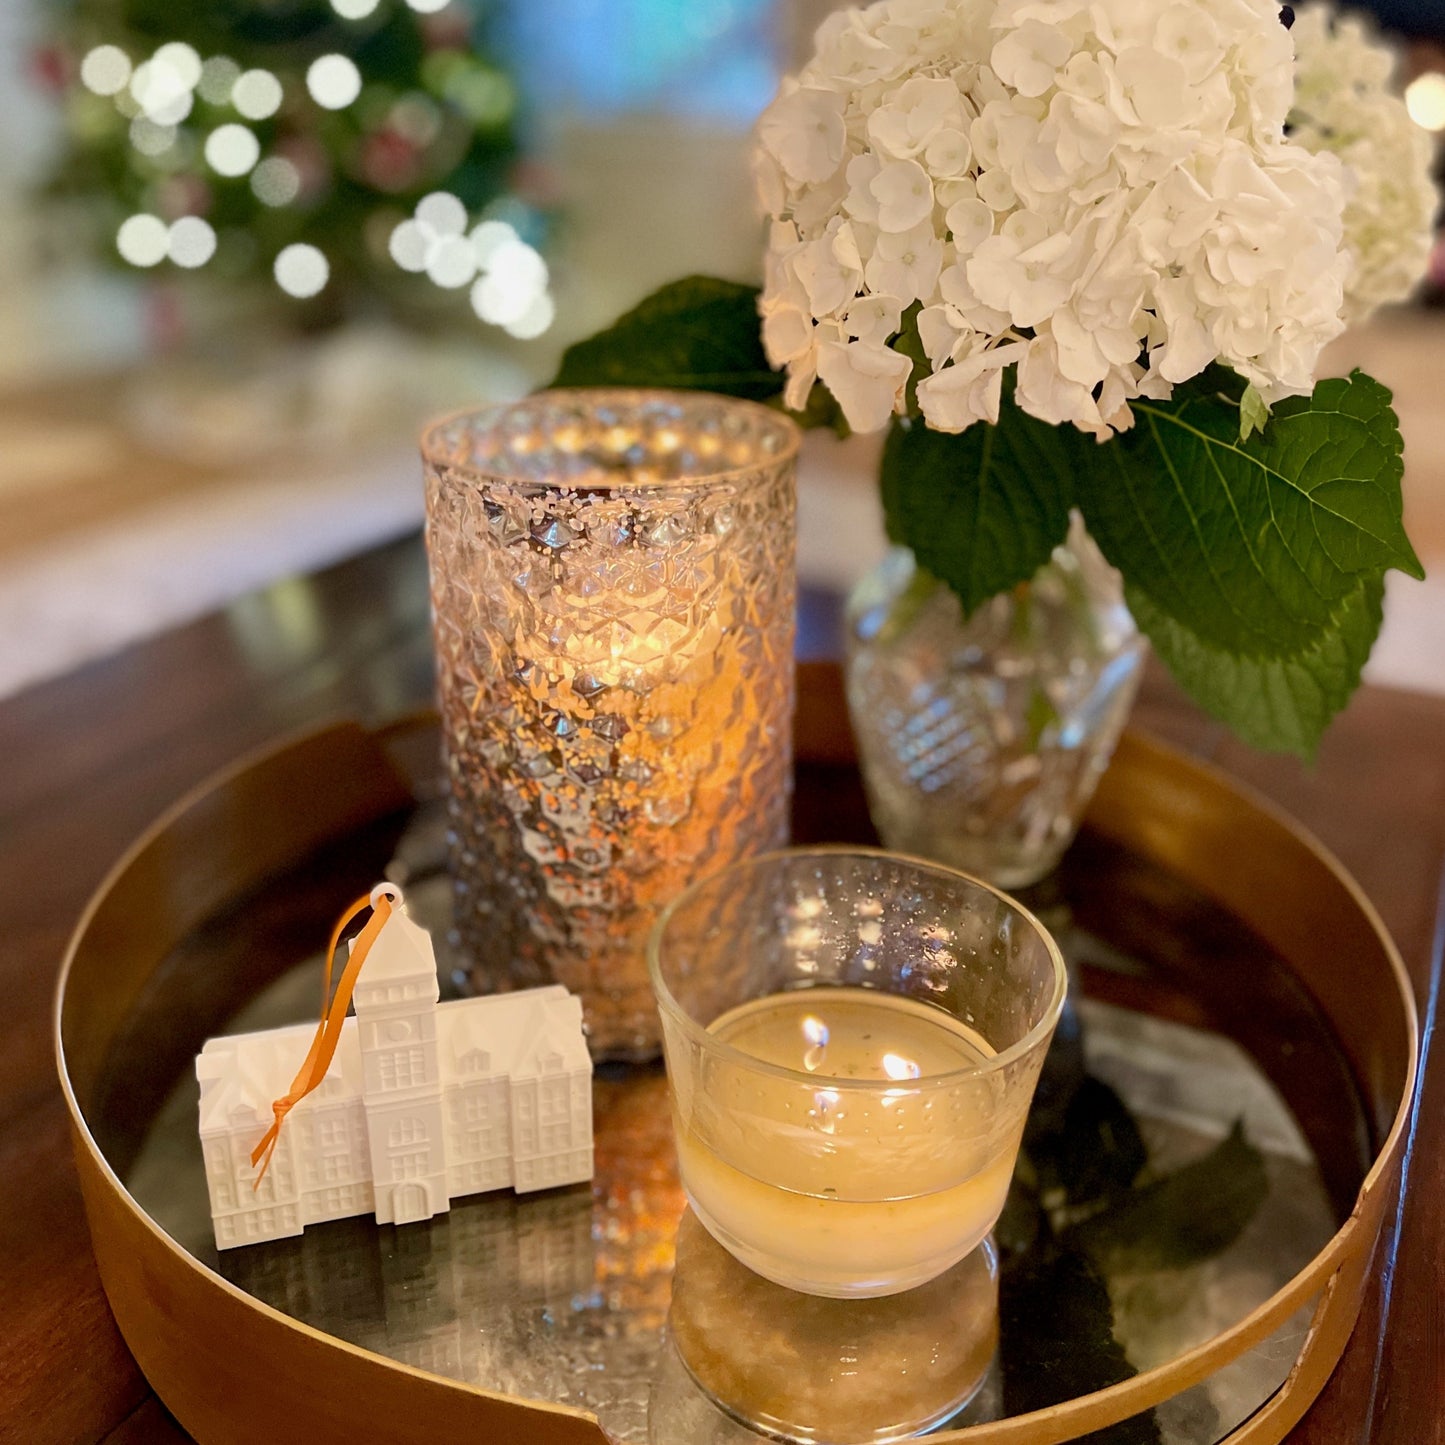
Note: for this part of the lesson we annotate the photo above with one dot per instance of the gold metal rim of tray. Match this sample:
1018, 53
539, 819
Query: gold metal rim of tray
229, 1366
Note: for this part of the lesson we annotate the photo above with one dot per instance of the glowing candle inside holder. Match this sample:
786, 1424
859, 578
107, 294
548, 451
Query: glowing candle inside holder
852, 1041
612, 587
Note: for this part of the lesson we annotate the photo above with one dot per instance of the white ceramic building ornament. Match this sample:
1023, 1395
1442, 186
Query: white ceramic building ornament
420, 1103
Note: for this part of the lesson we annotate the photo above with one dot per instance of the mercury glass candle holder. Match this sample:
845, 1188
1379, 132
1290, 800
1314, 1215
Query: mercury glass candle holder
852, 1038
613, 594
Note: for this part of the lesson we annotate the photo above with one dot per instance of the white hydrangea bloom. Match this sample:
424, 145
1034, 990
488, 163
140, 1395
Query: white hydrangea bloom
1344, 103
1098, 193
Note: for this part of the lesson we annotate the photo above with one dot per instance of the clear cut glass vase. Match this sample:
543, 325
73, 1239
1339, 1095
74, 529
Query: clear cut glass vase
981, 739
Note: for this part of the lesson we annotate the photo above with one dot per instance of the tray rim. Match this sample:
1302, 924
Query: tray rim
151, 1281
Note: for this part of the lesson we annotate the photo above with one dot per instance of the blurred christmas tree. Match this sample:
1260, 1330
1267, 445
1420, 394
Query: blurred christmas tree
349, 157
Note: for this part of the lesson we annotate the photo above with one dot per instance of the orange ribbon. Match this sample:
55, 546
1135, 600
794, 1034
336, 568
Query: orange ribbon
333, 1015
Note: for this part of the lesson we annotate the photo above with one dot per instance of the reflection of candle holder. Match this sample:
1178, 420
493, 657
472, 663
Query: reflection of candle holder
812, 1369
612, 583
852, 1042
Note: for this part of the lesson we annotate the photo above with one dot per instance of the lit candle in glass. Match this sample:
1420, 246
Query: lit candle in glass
612, 585
852, 1040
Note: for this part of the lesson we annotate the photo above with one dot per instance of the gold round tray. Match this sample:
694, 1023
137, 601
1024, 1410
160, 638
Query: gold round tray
234, 1369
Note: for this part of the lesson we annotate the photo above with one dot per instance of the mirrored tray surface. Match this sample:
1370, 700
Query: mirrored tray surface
1191, 1150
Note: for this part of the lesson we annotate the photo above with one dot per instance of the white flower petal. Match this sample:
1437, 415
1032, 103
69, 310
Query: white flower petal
904, 193
867, 381
1111, 175
787, 335
968, 391
804, 132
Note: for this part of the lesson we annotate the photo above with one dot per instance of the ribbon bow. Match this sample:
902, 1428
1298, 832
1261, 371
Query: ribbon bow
333, 1015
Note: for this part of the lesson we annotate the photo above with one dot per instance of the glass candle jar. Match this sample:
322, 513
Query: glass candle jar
852, 1038
613, 596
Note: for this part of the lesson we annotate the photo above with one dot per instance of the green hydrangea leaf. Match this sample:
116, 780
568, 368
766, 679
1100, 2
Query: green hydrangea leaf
1278, 704
981, 509
697, 334
1252, 545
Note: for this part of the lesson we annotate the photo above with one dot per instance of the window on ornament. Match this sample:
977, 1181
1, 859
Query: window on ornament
406, 1131
403, 1068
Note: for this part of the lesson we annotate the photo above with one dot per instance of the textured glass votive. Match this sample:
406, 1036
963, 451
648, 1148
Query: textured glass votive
853, 1038
613, 595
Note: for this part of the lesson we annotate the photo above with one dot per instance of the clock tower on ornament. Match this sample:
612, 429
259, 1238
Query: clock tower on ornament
401, 1083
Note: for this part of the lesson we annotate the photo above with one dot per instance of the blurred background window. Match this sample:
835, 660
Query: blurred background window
711, 59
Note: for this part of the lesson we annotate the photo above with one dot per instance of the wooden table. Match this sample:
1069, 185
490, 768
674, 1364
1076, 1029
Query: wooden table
91, 758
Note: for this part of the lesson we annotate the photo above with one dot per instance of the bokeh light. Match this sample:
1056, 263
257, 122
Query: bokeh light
443, 213
515, 278
256, 94
451, 262
334, 81
416, 118
232, 150
276, 182
105, 70
301, 270
409, 245
353, 9
151, 138
161, 91
1425, 100
192, 242
218, 76
182, 61
428, 7
485, 95
535, 319
143, 240
488, 237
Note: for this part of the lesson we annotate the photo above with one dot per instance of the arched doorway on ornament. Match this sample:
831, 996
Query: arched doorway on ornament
410, 1202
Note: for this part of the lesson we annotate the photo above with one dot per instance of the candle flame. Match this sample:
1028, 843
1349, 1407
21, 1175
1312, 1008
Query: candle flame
825, 1110
897, 1067
815, 1031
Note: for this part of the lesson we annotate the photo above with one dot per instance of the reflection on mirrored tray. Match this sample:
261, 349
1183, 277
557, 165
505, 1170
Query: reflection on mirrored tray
804, 1368
1142, 1221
